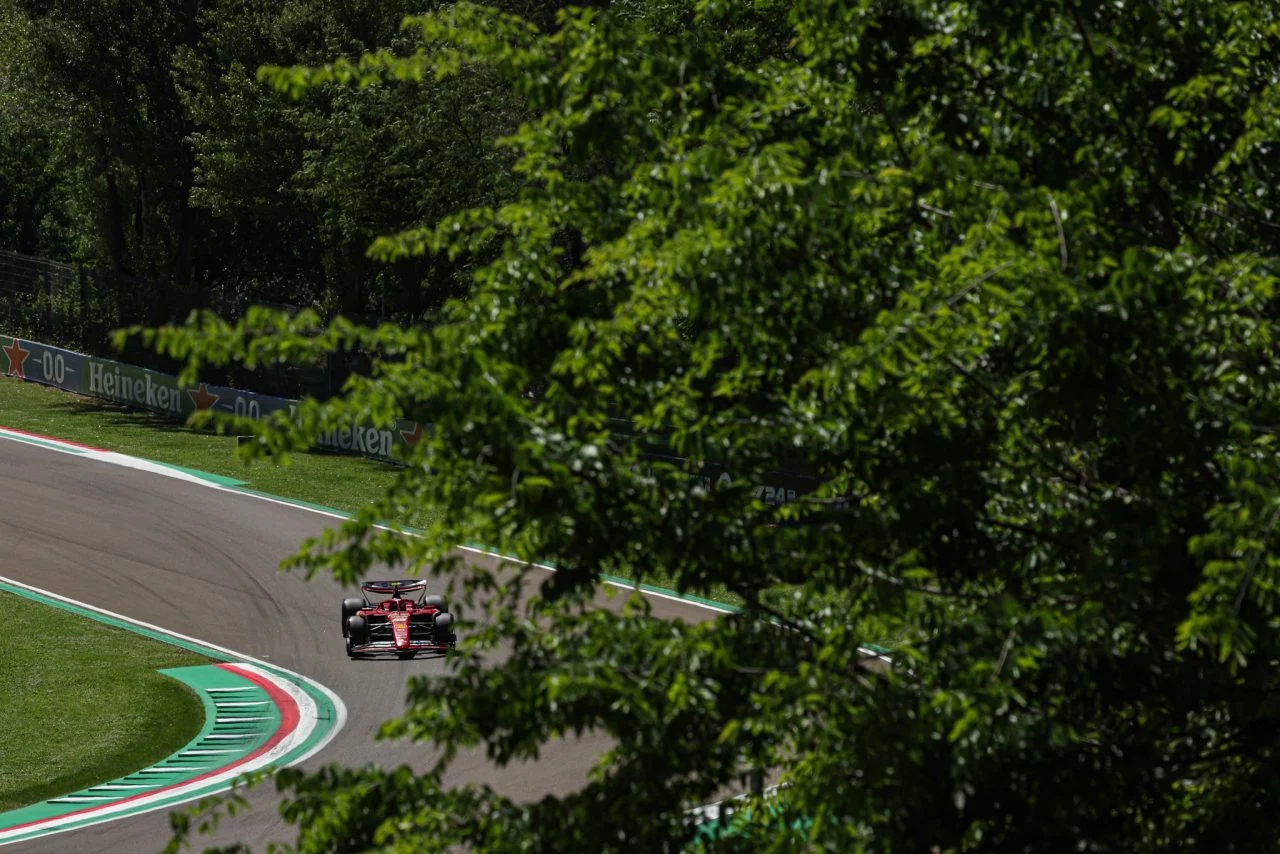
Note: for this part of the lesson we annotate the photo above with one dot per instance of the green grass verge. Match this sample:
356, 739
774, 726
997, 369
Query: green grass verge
342, 482
81, 702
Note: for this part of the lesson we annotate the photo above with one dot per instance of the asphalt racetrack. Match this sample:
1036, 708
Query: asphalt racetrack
203, 562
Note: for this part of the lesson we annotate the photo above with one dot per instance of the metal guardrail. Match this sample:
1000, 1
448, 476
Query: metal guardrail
31, 275
77, 307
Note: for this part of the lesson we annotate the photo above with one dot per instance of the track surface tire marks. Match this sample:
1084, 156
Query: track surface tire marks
203, 562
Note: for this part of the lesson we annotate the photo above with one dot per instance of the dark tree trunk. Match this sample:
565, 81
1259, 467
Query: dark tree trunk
28, 227
117, 246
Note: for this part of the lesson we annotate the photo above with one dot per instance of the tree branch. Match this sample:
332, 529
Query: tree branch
1062, 236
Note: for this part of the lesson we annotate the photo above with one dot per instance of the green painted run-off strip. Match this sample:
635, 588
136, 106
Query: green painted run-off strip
220, 742
57, 814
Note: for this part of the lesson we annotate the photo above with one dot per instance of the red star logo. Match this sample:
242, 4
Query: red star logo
203, 398
17, 357
412, 436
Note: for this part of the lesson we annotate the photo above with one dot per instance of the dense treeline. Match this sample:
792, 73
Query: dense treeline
134, 137
1003, 273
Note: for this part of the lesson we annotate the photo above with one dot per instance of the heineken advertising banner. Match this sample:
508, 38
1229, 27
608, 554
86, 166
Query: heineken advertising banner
159, 392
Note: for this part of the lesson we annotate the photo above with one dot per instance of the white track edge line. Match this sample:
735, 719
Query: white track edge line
115, 458
333, 514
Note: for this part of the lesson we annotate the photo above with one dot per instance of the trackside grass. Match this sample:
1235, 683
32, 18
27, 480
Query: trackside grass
342, 482
90, 708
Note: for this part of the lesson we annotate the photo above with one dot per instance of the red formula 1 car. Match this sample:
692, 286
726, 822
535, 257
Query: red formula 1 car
396, 625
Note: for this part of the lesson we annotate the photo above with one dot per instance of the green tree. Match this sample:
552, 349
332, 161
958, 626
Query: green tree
1003, 273
42, 181
298, 190
110, 63
142, 132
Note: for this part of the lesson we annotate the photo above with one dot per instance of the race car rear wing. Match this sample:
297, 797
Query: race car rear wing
388, 588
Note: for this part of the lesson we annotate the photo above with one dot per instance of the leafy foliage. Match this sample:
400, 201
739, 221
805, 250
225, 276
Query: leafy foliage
305, 187
137, 140
1003, 274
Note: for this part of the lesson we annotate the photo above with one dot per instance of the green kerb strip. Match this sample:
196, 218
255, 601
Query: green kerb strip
325, 708
326, 713
31, 440
297, 502
220, 742
219, 479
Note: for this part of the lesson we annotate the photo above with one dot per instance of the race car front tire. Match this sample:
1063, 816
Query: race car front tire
442, 630
357, 629
349, 609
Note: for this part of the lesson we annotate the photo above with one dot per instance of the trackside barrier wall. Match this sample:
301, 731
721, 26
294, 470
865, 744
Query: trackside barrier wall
159, 392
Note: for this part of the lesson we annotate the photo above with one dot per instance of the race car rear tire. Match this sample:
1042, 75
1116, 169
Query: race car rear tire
434, 601
357, 629
442, 631
349, 609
